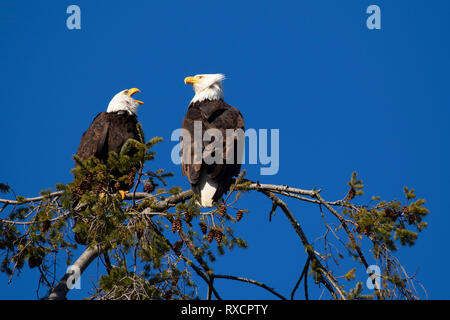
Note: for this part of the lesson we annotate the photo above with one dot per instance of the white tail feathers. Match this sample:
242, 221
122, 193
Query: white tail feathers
207, 190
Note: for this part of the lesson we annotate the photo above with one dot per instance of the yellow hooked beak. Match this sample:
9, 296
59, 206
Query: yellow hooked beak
132, 91
190, 80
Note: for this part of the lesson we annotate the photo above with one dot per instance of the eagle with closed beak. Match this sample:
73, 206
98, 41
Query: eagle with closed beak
208, 112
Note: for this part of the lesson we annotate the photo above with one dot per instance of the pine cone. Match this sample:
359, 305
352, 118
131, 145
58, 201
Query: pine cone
391, 213
176, 225
149, 187
367, 230
222, 210
78, 191
167, 294
203, 227
411, 218
239, 215
211, 235
351, 194
34, 261
218, 236
131, 176
88, 179
405, 209
45, 225
187, 216
139, 233
98, 188
363, 230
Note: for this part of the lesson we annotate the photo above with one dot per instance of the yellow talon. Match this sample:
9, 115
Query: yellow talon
123, 193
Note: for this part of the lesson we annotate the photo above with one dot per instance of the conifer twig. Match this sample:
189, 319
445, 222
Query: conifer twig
329, 281
345, 226
257, 283
26, 200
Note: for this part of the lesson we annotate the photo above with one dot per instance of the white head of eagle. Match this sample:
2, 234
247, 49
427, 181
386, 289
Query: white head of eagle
206, 86
123, 101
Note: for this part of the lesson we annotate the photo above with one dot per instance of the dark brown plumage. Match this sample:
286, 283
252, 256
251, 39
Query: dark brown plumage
219, 115
107, 132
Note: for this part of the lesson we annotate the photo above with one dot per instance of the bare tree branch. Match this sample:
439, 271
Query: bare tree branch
60, 291
34, 199
345, 226
257, 283
303, 274
329, 281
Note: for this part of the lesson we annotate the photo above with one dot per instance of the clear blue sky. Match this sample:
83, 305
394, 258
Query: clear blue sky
345, 99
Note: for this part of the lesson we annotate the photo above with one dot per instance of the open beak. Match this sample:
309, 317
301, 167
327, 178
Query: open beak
190, 80
132, 91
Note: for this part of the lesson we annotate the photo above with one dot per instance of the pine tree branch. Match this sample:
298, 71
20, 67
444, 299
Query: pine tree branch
303, 274
329, 281
60, 291
297, 194
157, 206
257, 283
24, 223
281, 188
197, 269
172, 200
34, 199
206, 277
345, 226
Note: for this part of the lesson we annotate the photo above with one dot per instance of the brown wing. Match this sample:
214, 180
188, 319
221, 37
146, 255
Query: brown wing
191, 170
218, 115
107, 132
94, 138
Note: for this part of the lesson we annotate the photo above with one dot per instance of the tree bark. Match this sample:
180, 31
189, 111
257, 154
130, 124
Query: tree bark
60, 291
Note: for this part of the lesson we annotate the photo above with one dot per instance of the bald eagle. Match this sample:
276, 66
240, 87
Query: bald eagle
109, 131
211, 180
